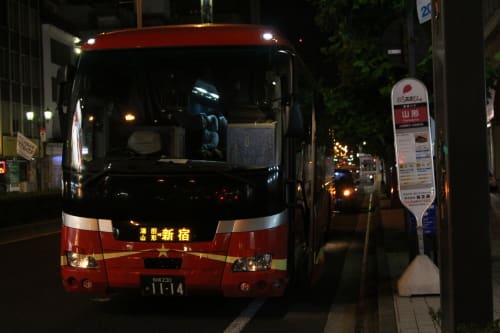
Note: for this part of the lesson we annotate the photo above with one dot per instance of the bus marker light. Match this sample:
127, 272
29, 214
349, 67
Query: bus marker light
277, 284
71, 281
245, 286
87, 284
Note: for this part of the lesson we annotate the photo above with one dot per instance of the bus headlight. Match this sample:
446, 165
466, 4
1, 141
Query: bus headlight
260, 262
81, 260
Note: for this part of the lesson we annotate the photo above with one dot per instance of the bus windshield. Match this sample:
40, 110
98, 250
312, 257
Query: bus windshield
195, 103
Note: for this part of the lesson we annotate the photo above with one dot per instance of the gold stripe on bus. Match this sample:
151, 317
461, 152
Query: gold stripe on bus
276, 264
211, 256
114, 255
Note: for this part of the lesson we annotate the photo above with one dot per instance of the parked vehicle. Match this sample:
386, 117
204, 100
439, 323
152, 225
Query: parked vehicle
181, 164
346, 190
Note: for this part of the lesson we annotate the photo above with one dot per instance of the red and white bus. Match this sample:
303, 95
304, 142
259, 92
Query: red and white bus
189, 164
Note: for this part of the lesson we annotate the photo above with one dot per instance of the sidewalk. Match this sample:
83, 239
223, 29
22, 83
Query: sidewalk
413, 314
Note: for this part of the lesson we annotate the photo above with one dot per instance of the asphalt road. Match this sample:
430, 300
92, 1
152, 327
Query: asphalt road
32, 298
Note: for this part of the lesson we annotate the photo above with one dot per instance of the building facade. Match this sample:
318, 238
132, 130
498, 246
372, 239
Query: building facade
30, 55
21, 90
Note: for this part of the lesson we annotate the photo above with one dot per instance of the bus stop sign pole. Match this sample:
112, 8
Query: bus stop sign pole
415, 170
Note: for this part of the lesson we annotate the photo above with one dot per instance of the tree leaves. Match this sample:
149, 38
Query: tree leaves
358, 97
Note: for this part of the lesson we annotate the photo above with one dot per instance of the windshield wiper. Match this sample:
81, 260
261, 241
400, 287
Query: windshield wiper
173, 160
97, 175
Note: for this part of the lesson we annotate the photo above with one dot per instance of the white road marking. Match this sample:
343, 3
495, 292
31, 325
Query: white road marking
245, 316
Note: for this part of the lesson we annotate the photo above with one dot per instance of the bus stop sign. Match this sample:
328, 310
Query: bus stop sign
415, 166
413, 142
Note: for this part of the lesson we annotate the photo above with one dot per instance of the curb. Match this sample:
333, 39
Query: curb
386, 311
28, 231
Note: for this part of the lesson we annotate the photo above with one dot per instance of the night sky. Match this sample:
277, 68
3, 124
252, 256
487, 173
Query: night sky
295, 20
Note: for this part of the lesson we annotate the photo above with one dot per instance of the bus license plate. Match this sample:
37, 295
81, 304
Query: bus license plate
162, 285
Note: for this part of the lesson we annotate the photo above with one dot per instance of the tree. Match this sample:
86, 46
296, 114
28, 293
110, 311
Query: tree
358, 96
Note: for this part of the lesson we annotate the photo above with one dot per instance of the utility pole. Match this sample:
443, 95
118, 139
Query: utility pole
463, 200
410, 31
255, 11
138, 12
206, 9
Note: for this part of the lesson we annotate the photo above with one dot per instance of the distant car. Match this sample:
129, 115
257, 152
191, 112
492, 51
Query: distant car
346, 190
492, 182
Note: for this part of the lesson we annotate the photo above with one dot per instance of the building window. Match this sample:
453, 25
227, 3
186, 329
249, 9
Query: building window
16, 92
34, 4
16, 121
14, 67
36, 97
34, 25
4, 37
4, 64
26, 94
24, 22
25, 68
4, 90
60, 53
35, 72
54, 87
25, 45
13, 15
3, 13
35, 49
5, 114
14, 41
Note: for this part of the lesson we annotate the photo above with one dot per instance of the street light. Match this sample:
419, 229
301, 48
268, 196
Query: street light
30, 115
47, 114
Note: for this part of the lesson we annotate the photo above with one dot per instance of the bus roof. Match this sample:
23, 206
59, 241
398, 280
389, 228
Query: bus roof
186, 35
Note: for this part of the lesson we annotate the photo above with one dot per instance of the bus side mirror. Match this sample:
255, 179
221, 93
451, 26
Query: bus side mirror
295, 121
65, 77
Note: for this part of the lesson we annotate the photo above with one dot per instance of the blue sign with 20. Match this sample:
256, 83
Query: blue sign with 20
424, 10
